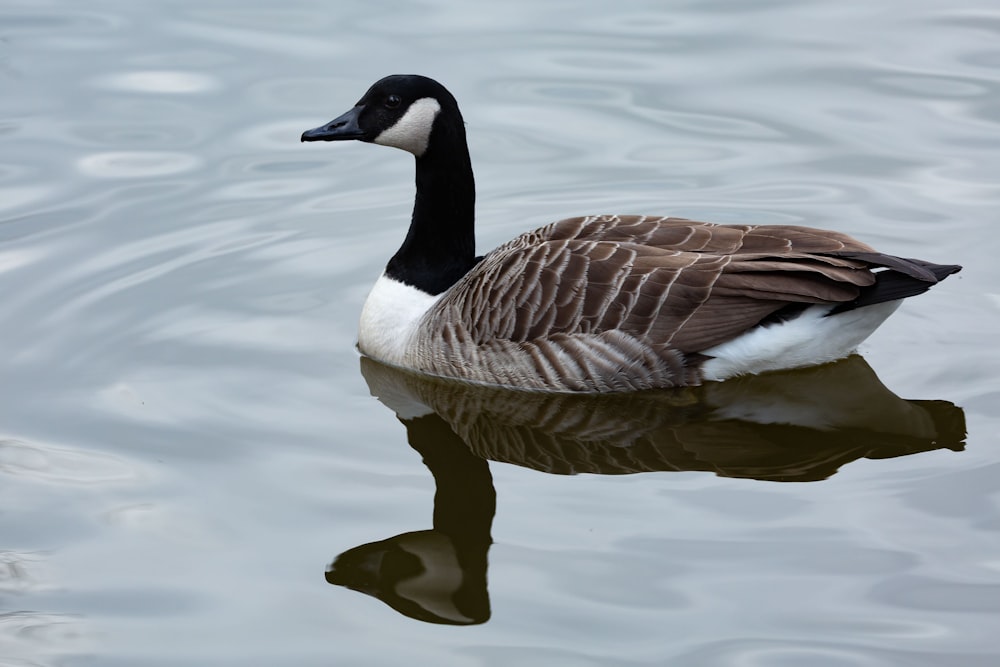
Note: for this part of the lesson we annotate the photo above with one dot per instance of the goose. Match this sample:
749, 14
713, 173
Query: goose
601, 303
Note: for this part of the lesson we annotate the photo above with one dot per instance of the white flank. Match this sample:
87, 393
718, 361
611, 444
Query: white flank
413, 130
809, 339
389, 319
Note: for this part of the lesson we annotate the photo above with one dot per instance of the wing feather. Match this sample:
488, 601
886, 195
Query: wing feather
667, 282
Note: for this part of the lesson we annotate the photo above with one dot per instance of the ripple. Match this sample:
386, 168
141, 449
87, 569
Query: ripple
11, 260
127, 264
281, 135
48, 463
272, 166
269, 189
711, 124
27, 636
865, 165
672, 153
137, 164
261, 40
48, 22
144, 135
906, 84
18, 573
577, 92
231, 331
510, 145
142, 600
792, 192
790, 653
300, 93
280, 17
928, 85
932, 594
173, 82
653, 24
18, 197
986, 59
877, 627
9, 172
588, 63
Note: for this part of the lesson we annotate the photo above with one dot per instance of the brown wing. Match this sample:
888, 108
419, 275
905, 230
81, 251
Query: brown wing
668, 282
705, 237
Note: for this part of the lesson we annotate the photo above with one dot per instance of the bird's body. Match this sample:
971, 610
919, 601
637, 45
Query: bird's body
602, 303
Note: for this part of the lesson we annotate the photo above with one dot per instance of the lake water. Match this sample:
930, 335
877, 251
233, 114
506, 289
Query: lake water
194, 470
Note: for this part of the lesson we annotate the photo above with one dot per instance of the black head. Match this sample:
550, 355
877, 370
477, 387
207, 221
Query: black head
400, 111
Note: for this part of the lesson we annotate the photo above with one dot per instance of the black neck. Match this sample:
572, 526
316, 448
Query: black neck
440, 245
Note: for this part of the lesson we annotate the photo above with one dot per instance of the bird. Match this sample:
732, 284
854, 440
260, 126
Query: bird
601, 303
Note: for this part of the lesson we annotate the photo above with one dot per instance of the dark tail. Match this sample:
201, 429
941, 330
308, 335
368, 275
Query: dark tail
898, 278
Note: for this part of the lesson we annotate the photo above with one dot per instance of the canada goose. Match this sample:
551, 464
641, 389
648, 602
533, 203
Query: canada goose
607, 302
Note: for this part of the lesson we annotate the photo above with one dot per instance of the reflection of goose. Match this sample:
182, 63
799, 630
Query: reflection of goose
794, 426
602, 303
790, 426
436, 575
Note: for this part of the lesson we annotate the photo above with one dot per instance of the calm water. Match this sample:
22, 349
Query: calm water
188, 440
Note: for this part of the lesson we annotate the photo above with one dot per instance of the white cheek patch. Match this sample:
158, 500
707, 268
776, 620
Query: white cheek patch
413, 130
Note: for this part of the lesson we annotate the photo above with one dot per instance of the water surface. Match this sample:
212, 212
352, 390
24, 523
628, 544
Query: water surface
187, 441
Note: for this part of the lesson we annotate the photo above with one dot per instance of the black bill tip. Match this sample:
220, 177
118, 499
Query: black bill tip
342, 128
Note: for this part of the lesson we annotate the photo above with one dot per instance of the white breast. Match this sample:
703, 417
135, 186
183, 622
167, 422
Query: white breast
390, 318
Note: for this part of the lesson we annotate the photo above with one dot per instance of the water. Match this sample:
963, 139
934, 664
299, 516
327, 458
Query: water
187, 441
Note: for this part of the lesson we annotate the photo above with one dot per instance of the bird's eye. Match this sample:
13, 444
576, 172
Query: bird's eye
393, 101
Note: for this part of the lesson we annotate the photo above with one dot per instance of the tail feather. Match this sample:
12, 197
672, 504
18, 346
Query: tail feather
940, 271
899, 278
915, 268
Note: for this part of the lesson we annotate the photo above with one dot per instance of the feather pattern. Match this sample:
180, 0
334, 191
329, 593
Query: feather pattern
611, 303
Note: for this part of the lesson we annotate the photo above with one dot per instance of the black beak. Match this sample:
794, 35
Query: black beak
340, 128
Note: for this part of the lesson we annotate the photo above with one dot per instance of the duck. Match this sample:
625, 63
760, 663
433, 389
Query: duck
601, 303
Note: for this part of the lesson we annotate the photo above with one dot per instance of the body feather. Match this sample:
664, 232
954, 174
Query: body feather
606, 303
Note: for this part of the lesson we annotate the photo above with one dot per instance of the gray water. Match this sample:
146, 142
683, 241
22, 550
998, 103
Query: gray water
187, 441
